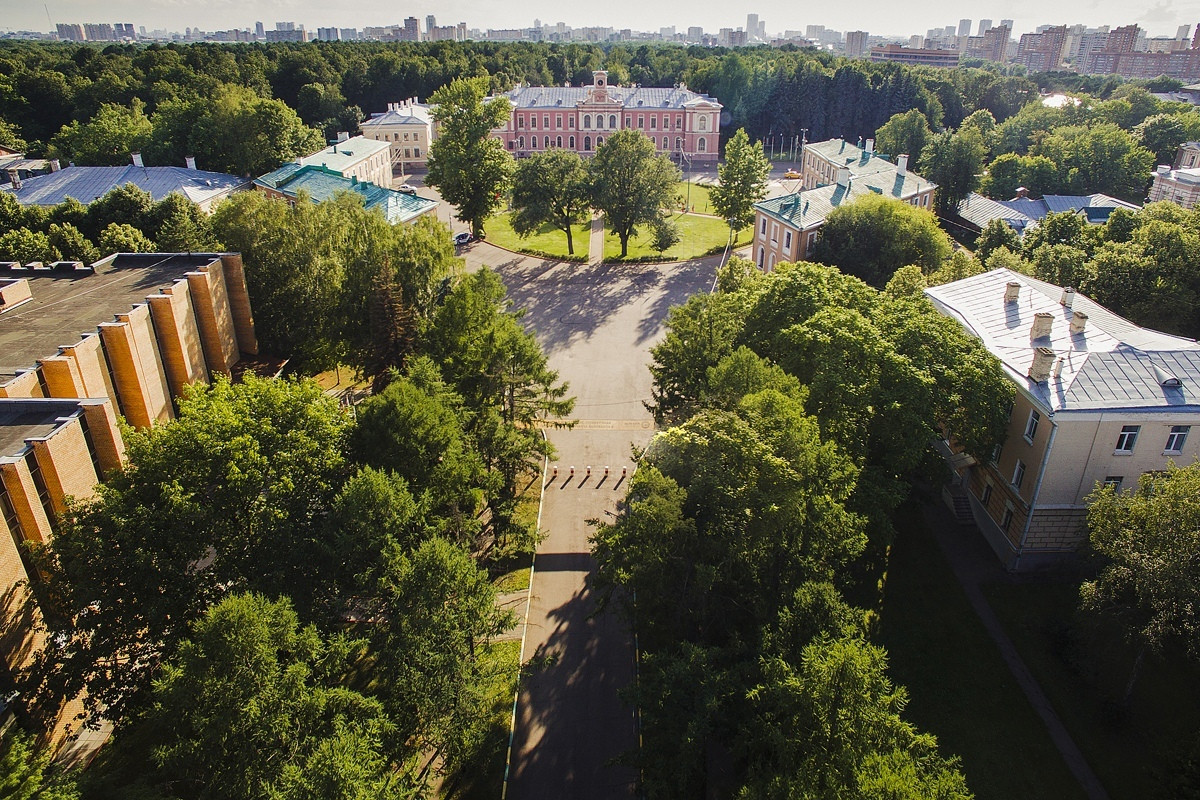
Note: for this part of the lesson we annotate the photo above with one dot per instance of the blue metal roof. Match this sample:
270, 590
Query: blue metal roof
86, 184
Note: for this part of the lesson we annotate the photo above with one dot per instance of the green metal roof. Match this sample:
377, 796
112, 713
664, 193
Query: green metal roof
808, 208
322, 183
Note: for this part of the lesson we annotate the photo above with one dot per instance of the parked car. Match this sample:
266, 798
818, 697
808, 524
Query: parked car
463, 238
407, 188
791, 175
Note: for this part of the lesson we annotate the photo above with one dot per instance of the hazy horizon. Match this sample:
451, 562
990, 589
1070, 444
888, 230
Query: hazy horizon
891, 19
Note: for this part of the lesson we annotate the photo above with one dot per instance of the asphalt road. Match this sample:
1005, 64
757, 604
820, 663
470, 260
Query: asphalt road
596, 324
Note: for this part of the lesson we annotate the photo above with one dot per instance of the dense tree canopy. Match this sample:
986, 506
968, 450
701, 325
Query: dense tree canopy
874, 236
630, 184
550, 188
743, 181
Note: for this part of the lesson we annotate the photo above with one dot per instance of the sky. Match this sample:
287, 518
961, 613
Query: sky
1157, 17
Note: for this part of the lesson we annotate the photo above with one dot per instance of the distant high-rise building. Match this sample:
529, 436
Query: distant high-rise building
813, 32
285, 26
1123, 39
430, 24
949, 32
751, 25
349, 34
71, 32
992, 46
1183, 32
98, 32
329, 35
412, 30
856, 44
695, 33
985, 25
259, 31
964, 27
1008, 23
1042, 52
667, 33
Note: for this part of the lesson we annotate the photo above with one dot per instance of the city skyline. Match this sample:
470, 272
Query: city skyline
1160, 19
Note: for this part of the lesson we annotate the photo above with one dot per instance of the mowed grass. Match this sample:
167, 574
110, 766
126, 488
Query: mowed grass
548, 239
698, 235
1083, 663
960, 688
697, 197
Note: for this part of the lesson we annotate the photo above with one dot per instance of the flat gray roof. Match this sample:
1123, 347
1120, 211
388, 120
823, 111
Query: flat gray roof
69, 303
22, 419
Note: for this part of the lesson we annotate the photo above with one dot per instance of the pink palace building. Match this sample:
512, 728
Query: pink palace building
681, 123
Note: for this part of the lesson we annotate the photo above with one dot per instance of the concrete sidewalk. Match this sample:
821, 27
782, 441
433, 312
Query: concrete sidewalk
596, 240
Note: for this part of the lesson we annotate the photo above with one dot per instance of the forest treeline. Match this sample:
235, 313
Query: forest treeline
179, 98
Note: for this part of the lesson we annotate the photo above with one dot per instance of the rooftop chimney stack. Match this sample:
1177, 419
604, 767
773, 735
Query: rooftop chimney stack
902, 164
54, 165
1078, 322
1068, 297
1022, 192
137, 159
1058, 365
190, 161
870, 146
1043, 362
1012, 291
1043, 322
843, 176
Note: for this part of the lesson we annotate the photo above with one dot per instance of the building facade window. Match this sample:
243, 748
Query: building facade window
1031, 425
787, 241
558, 141
702, 145
572, 145
587, 121
628, 121
39, 483
558, 121
1006, 520
666, 143
533, 121
612, 120
703, 123
521, 142
641, 121
546, 122
520, 121
987, 494
1177, 438
762, 231
812, 243
1018, 477
1114, 481
654, 123
587, 143
1127, 439
546, 141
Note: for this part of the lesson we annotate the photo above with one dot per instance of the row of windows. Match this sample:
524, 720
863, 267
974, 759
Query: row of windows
1176, 439
519, 144
382, 137
586, 122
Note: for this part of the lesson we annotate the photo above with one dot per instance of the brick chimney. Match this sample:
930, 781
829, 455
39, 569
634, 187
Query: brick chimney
1078, 322
843, 176
902, 164
1043, 323
870, 146
1012, 291
1068, 297
1043, 362
190, 161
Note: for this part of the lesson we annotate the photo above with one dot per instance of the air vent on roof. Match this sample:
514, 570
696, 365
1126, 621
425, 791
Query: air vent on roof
640, 102
1166, 379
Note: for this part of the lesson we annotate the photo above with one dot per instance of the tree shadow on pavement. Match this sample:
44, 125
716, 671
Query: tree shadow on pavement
571, 724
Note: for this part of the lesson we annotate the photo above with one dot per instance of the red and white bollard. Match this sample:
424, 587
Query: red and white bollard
606, 472
572, 472
589, 470
555, 475
623, 469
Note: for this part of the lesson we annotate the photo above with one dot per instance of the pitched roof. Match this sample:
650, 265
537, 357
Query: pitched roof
1097, 207
809, 207
86, 184
345, 154
1112, 364
322, 183
857, 159
416, 114
979, 211
628, 96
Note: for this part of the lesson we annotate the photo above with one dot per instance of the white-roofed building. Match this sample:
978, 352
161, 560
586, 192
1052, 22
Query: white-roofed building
1099, 400
355, 157
86, 184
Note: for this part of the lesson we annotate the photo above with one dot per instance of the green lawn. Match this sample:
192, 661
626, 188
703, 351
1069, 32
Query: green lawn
547, 240
1083, 664
697, 235
697, 197
960, 688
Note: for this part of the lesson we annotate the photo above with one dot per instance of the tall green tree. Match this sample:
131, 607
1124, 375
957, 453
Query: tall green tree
232, 495
743, 181
907, 132
550, 188
470, 168
954, 162
252, 707
631, 185
1149, 541
874, 236
107, 139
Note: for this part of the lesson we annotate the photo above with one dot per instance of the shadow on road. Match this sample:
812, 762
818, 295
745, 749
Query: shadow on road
571, 720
